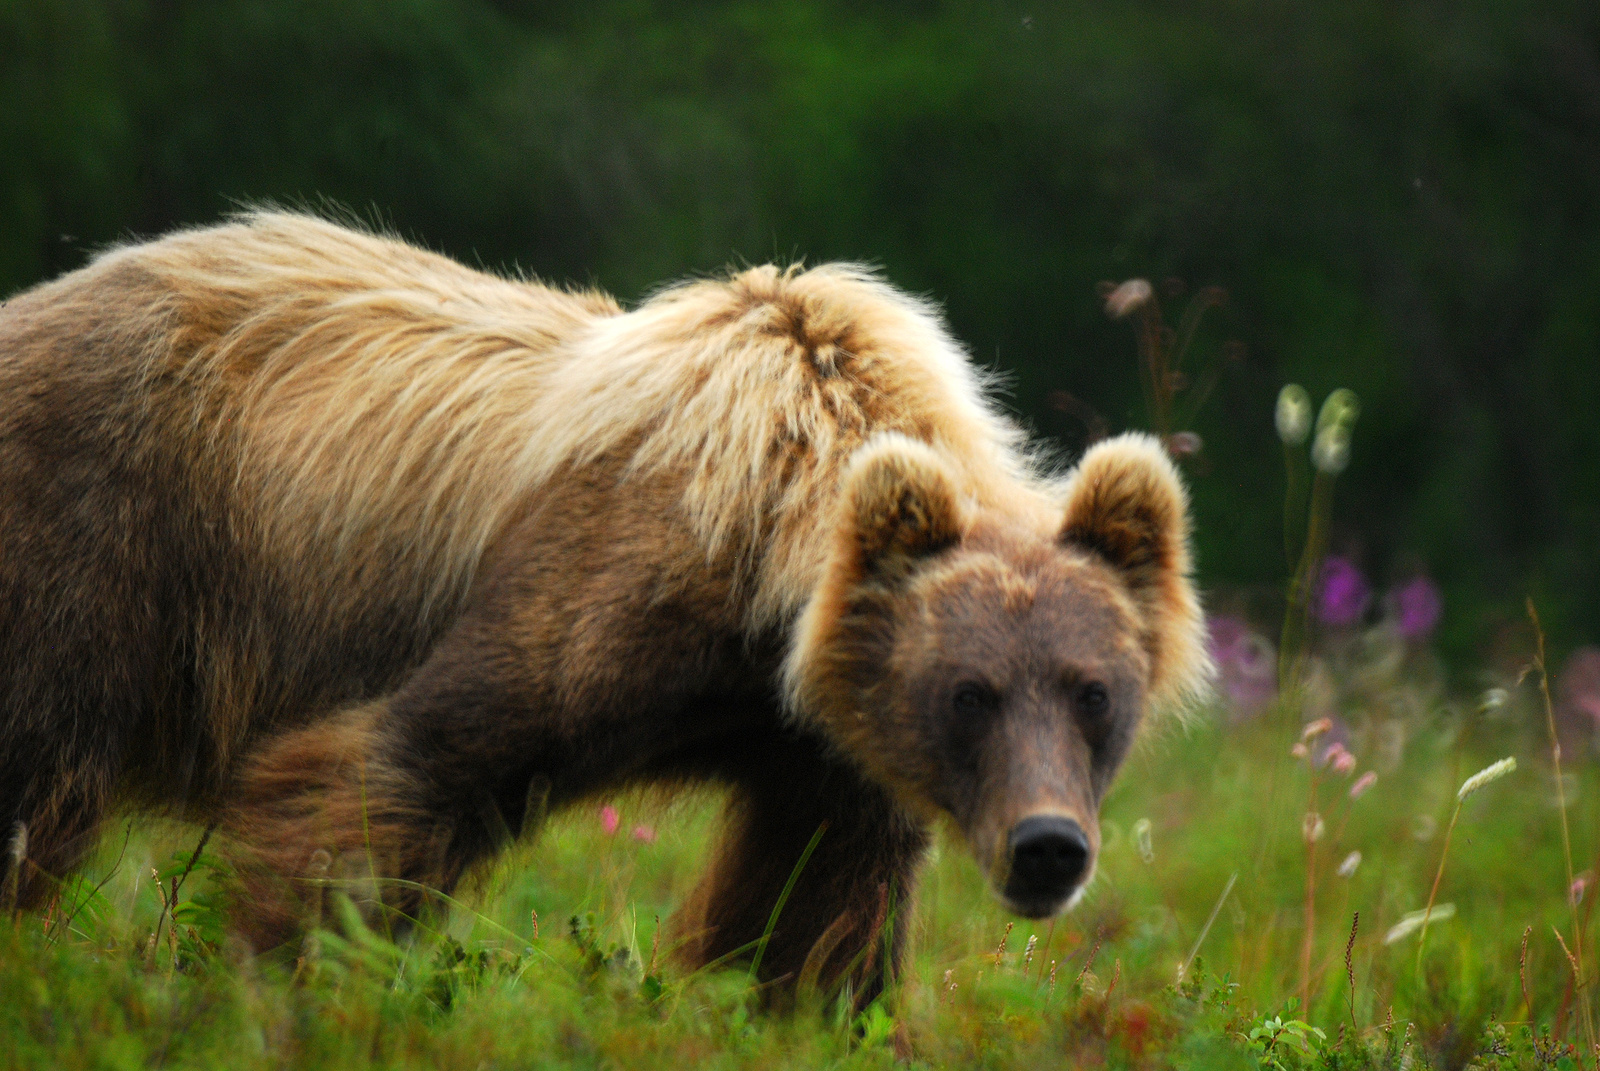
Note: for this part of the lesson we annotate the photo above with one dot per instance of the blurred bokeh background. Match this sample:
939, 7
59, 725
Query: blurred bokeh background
1398, 197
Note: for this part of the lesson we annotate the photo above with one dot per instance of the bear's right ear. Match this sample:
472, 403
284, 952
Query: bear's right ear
899, 508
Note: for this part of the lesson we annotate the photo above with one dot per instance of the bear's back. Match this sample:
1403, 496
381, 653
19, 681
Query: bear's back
289, 447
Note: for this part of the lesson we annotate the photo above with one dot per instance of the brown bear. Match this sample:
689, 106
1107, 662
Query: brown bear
372, 558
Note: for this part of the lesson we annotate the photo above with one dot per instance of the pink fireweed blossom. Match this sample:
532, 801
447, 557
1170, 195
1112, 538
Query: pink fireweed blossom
1247, 666
644, 834
1339, 758
609, 819
1577, 706
1342, 593
1362, 783
1417, 607
1131, 295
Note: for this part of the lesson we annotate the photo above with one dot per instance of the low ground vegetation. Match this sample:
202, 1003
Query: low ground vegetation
1222, 842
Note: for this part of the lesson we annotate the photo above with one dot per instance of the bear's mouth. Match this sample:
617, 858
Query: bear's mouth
1044, 907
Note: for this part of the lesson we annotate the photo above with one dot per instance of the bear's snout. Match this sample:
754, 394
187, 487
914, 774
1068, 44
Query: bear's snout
1049, 856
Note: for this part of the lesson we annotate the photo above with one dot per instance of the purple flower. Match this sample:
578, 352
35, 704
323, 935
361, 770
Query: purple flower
1246, 666
1577, 707
1342, 592
1417, 607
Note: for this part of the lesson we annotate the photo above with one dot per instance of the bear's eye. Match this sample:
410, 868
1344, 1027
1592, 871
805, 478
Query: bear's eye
1093, 700
972, 698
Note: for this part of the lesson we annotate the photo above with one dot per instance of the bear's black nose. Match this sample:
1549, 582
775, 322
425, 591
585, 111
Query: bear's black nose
1048, 856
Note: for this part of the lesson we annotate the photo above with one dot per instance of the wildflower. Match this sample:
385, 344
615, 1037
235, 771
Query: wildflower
1412, 921
1331, 451
1362, 783
1339, 410
1247, 666
1577, 699
1348, 867
1294, 414
1339, 758
1311, 827
644, 834
1492, 772
1493, 699
1141, 837
609, 819
1300, 750
1342, 592
1184, 444
1580, 885
1316, 729
1417, 606
1128, 297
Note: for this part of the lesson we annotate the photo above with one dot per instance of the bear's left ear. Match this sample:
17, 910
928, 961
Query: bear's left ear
1126, 503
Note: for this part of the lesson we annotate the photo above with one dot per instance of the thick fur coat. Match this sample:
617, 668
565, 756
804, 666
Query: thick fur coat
372, 558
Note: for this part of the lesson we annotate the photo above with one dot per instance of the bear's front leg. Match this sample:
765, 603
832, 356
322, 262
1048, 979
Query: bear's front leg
324, 811
847, 910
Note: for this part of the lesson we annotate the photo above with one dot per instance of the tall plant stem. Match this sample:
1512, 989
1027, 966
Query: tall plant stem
1308, 832
1585, 1013
1297, 614
1294, 505
1422, 938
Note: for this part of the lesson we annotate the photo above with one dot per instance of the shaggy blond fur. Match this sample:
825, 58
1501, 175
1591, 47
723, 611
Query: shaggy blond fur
382, 393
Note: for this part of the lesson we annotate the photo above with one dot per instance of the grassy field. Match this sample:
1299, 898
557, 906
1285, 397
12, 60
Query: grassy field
1191, 949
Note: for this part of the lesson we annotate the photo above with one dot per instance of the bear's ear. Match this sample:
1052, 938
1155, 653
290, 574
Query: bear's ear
1126, 504
899, 509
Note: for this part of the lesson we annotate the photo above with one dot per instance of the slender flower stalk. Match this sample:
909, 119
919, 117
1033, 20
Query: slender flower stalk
1491, 773
1585, 1013
1330, 454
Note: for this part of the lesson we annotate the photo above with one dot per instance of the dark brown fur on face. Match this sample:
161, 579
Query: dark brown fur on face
373, 559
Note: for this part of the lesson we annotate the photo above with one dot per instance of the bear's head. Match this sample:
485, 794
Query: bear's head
993, 665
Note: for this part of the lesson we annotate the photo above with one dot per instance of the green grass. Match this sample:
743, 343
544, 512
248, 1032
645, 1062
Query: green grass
481, 991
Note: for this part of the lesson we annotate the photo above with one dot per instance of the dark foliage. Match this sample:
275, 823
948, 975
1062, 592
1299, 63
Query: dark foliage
1400, 198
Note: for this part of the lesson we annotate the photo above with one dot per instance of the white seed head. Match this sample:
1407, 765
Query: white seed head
1330, 453
1294, 414
1411, 922
1127, 298
1141, 837
1348, 867
1492, 772
1311, 827
1340, 409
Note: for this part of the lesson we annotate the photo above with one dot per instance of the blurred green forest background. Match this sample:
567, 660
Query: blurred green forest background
1401, 196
